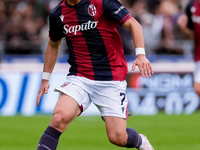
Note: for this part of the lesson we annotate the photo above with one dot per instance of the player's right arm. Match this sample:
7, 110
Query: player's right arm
51, 56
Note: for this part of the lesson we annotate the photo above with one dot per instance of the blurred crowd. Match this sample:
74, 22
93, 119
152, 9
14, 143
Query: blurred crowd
159, 22
24, 26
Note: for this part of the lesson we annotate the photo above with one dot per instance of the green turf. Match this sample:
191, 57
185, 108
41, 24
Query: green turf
88, 133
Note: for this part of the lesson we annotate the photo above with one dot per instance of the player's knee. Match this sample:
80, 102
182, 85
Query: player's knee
59, 121
117, 139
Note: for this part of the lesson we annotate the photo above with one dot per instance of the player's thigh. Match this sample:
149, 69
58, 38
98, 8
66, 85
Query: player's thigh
76, 87
68, 106
116, 129
65, 110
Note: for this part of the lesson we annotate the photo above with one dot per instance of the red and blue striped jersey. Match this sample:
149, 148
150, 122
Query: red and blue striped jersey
193, 13
95, 46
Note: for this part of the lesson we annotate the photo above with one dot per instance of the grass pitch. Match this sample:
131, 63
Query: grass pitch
180, 132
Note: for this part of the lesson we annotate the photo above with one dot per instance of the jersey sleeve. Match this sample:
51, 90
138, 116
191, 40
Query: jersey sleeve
116, 11
55, 27
189, 15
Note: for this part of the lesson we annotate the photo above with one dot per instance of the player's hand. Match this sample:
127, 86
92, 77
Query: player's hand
144, 65
182, 21
43, 90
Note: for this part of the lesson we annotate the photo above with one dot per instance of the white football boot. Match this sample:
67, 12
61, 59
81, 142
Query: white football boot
145, 143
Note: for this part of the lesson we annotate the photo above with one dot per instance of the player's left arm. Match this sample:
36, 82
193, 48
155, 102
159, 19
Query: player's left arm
141, 61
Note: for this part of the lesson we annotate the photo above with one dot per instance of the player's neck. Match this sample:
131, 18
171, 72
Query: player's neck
72, 2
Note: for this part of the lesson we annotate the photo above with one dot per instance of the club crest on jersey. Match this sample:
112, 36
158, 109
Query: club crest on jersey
193, 9
92, 10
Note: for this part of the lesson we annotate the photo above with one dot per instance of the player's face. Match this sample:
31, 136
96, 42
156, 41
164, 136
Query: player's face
73, 2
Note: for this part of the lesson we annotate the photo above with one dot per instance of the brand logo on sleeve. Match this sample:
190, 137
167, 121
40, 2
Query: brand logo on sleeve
92, 10
120, 8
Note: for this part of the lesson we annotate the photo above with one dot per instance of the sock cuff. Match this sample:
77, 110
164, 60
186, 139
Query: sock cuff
134, 139
55, 133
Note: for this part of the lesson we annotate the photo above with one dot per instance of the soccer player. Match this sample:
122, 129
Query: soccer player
98, 68
189, 23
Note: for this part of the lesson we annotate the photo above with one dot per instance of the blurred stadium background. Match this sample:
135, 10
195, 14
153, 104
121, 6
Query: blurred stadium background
165, 106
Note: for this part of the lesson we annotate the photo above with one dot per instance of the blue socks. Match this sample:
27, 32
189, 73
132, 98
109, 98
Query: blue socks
134, 139
49, 139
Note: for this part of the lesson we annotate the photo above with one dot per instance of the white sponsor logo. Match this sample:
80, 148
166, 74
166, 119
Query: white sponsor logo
84, 26
196, 19
117, 11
